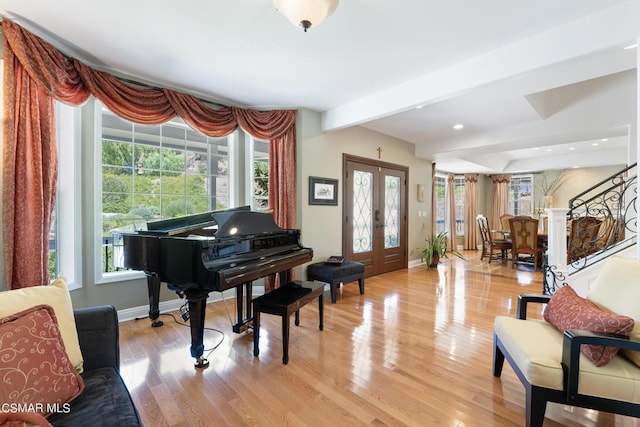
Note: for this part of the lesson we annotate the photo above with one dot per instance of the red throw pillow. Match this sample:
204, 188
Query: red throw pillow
36, 373
567, 310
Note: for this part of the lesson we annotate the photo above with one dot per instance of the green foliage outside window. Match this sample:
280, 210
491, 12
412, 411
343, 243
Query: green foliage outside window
261, 184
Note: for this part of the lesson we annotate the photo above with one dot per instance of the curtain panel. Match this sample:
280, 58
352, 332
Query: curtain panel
35, 74
471, 211
500, 199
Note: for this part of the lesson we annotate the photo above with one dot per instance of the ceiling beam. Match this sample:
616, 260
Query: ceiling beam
613, 27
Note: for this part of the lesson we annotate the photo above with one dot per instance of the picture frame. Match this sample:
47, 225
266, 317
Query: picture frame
323, 191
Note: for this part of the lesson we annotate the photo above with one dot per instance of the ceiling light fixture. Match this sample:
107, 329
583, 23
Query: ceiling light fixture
631, 46
306, 13
458, 126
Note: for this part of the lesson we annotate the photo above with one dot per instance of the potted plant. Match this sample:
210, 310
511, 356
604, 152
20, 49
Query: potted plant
436, 248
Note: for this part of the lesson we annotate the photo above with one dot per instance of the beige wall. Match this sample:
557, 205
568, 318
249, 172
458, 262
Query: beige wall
574, 182
320, 154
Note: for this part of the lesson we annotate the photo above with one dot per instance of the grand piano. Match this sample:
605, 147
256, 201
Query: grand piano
212, 251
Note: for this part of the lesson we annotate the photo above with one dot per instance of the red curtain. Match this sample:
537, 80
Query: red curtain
35, 75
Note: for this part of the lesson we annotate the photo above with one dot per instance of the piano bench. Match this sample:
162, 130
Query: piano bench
335, 274
283, 301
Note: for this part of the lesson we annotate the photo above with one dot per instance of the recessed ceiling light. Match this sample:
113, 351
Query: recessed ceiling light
419, 106
458, 126
572, 148
604, 139
595, 144
576, 167
536, 148
548, 149
632, 46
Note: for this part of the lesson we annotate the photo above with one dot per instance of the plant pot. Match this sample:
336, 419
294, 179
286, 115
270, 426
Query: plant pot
434, 262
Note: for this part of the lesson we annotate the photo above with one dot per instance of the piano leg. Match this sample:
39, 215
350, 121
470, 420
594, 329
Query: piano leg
285, 277
197, 307
244, 295
153, 288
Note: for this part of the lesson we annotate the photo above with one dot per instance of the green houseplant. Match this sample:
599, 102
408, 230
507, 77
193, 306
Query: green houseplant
436, 247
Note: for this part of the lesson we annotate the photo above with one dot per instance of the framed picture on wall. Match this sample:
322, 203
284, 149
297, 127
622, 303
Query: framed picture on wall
323, 191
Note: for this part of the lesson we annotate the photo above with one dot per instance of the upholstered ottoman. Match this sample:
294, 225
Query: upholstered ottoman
335, 274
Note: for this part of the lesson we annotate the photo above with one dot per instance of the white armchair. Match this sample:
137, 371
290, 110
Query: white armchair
547, 356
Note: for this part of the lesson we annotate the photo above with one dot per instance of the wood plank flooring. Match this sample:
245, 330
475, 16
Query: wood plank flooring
415, 350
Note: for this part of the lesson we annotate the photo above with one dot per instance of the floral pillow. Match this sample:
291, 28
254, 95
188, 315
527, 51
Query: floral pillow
36, 373
567, 310
55, 295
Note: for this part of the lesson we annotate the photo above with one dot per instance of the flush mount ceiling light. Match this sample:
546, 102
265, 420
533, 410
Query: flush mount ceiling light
306, 13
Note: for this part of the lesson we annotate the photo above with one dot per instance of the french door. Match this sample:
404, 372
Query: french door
375, 214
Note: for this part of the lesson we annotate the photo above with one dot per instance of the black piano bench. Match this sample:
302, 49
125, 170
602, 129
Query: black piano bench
334, 274
283, 301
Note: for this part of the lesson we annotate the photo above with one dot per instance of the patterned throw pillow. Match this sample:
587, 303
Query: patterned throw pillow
55, 295
35, 369
567, 310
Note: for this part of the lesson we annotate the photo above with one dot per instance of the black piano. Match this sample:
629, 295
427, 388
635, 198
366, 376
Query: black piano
212, 251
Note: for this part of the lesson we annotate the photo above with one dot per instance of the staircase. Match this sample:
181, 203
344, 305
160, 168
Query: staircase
599, 222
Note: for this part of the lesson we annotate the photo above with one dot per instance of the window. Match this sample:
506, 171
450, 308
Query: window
440, 186
521, 195
458, 188
259, 179
157, 172
441, 203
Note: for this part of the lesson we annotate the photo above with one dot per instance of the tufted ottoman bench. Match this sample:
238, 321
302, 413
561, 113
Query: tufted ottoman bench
334, 274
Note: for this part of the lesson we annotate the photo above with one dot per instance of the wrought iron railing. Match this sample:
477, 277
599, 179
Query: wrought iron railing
601, 221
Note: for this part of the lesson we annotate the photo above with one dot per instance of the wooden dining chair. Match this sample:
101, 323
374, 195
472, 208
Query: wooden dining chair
493, 249
524, 238
504, 220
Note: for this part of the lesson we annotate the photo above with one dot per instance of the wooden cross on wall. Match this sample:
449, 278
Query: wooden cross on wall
379, 150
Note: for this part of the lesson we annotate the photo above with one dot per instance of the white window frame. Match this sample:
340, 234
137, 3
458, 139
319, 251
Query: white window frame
68, 232
531, 178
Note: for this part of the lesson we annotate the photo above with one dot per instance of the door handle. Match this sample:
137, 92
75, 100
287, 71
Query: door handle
377, 215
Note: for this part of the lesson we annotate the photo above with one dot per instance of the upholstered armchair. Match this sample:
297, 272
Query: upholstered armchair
584, 352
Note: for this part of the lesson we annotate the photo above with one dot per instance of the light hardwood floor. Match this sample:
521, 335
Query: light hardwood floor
415, 349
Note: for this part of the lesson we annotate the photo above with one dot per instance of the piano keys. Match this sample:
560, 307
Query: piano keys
212, 251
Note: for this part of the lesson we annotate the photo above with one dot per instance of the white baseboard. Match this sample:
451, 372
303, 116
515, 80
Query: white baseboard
141, 312
415, 262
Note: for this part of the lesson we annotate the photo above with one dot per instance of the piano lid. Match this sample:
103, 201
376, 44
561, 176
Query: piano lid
244, 223
240, 221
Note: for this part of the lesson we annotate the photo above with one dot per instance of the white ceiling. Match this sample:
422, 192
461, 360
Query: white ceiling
524, 77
